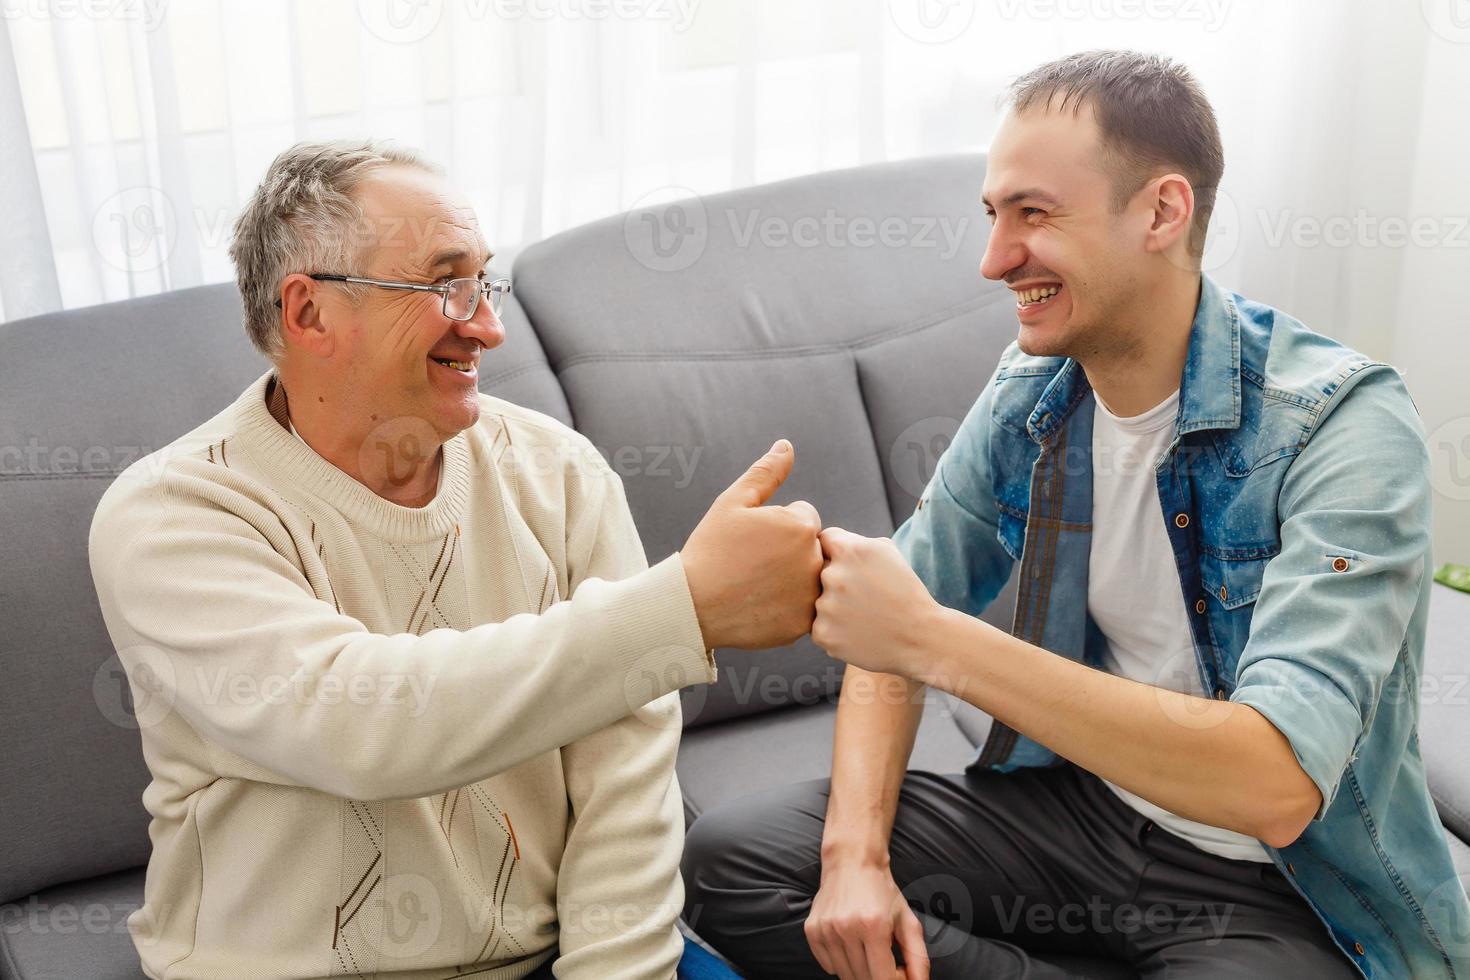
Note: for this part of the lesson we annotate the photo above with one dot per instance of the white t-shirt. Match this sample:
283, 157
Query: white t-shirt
1133, 589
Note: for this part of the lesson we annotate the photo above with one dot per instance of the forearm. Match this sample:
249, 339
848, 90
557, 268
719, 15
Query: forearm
619, 891
877, 720
1213, 761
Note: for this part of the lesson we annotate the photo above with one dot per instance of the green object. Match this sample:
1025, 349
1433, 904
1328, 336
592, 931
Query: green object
1455, 576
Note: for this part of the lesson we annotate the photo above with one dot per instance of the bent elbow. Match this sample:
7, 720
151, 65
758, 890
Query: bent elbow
1291, 817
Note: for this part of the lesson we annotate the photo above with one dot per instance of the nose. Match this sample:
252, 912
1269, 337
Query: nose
484, 327
1003, 252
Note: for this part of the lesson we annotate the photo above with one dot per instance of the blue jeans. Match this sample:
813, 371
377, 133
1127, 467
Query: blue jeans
696, 964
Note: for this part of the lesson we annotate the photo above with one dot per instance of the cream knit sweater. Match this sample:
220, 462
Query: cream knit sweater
405, 742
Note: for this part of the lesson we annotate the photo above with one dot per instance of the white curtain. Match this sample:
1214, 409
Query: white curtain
131, 130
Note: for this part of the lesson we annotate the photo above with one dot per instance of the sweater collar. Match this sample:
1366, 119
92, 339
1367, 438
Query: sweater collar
265, 433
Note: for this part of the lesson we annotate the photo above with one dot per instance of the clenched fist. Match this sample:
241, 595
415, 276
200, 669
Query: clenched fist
874, 612
753, 570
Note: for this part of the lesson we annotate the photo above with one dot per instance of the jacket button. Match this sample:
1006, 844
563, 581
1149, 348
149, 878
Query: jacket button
1199, 606
1339, 564
1220, 694
1223, 594
1358, 948
1181, 520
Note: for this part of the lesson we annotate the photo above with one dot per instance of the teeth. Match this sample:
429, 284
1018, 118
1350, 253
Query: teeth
457, 365
1037, 295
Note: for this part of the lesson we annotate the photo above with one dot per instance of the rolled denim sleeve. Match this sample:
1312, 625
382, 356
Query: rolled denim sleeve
951, 539
1335, 604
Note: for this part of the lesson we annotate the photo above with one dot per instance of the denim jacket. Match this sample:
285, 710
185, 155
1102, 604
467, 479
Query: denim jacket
1296, 497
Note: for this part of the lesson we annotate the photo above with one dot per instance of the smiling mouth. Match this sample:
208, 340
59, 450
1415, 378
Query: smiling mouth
466, 367
1030, 299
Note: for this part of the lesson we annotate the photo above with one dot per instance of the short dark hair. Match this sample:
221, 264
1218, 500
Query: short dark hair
1152, 114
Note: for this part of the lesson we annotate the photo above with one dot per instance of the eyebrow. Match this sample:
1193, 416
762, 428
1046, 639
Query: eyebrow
450, 256
1027, 194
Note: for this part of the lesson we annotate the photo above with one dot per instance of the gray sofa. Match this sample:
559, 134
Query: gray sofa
831, 309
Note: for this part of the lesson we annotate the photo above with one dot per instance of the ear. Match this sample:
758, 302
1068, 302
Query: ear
1171, 200
302, 323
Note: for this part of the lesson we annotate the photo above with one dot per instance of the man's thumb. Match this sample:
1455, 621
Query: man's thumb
755, 485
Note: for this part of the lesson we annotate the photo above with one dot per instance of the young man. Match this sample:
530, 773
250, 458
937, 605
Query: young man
405, 678
1204, 760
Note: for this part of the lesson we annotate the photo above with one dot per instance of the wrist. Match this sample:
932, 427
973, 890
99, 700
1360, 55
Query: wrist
844, 849
937, 645
702, 615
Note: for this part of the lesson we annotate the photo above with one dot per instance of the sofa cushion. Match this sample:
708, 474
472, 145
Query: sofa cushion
73, 931
741, 757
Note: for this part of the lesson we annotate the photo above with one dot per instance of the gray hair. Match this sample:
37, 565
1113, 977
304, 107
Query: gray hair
303, 218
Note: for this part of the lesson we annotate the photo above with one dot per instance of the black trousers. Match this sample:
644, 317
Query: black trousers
1034, 874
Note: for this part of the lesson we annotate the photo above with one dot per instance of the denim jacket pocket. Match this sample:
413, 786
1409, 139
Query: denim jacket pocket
1231, 586
1232, 582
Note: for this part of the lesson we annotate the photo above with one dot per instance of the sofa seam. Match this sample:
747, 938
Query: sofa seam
943, 317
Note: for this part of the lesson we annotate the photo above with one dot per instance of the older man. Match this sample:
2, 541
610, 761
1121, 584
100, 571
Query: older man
409, 680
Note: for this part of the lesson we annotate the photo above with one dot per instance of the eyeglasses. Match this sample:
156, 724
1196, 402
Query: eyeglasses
461, 296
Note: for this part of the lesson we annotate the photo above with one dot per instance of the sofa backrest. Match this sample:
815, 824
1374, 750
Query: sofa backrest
842, 310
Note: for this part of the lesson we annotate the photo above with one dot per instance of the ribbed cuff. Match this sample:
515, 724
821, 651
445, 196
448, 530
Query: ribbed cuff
656, 630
